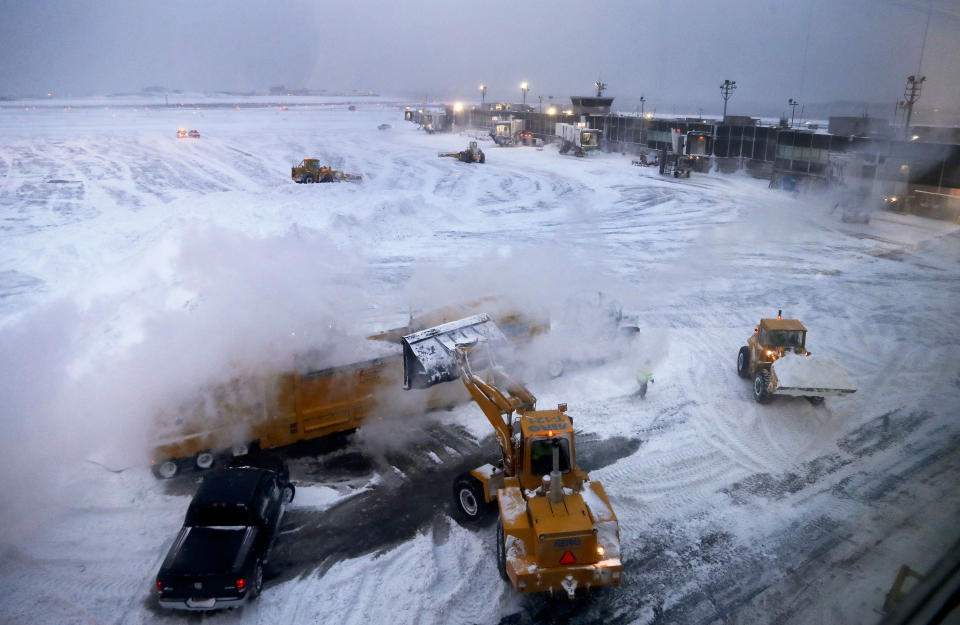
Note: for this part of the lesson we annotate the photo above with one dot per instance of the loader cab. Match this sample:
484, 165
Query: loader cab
539, 429
785, 333
774, 337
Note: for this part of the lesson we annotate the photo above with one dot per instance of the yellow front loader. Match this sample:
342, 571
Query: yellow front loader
557, 530
309, 170
473, 154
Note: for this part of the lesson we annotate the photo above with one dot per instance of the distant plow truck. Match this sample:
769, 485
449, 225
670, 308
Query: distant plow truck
473, 154
309, 170
777, 359
577, 137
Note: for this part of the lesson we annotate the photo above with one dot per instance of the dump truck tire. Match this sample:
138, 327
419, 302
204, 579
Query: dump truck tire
501, 552
761, 387
468, 498
743, 362
166, 470
204, 460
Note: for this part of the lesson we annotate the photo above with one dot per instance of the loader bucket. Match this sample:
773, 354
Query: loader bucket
429, 355
807, 376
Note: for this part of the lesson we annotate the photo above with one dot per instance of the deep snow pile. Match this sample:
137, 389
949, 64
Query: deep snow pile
136, 266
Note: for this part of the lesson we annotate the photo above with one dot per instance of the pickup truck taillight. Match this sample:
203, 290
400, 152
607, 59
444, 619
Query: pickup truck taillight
241, 584
159, 586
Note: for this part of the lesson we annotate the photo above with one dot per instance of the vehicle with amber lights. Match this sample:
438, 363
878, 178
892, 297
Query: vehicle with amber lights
777, 359
217, 559
557, 530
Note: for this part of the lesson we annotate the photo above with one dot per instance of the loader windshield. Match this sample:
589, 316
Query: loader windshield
785, 338
541, 456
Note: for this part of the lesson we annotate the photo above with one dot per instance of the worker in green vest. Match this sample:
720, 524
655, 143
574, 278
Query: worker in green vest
644, 377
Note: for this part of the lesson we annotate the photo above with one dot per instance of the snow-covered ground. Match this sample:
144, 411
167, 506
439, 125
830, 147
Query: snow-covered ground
135, 266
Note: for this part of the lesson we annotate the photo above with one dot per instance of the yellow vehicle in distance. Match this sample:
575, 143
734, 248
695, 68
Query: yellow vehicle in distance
309, 170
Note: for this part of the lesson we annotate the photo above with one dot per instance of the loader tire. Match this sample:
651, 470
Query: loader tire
483, 158
743, 362
761, 387
501, 552
327, 178
468, 498
308, 179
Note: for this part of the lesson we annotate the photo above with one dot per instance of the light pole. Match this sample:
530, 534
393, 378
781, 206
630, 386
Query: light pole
483, 94
643, 120
540, 109
793, 109
726, 90
524, 88
911, 93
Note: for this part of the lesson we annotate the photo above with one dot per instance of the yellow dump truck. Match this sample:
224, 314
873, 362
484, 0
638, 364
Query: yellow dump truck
557, 530
281, 408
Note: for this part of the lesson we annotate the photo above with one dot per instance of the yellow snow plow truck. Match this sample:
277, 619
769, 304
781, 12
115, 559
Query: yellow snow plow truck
777, 359
557, 530
309, 170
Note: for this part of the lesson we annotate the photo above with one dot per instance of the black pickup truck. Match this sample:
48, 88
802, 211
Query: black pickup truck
217, 558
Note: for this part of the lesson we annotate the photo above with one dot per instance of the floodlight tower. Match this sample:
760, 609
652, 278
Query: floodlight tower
911, 93
524, 88
483, 94
793, 109
726, 90
601, 87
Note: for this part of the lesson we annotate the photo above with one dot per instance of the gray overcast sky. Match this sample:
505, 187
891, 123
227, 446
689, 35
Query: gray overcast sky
675, 52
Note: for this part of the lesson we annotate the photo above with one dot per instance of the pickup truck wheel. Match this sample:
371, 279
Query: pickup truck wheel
288, 493
468, 498
204, 460
167, 469
501, 552
761, 387
743, 362
257, 580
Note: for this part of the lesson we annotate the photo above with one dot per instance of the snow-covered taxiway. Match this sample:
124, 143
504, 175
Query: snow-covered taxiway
135, 266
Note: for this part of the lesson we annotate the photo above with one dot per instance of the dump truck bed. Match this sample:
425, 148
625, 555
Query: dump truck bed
803, 376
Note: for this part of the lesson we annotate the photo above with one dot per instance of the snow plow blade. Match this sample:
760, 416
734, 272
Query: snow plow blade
429, 355
803, 376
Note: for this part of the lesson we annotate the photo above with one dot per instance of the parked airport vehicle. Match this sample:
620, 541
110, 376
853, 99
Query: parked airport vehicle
217, 559
556, 529
577, 137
